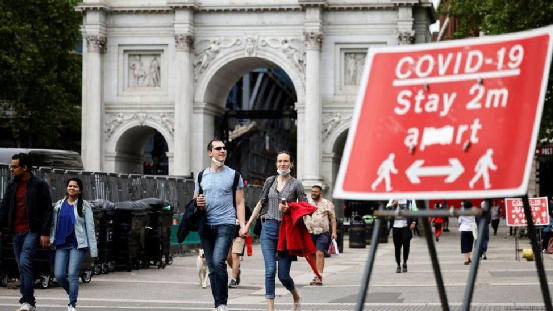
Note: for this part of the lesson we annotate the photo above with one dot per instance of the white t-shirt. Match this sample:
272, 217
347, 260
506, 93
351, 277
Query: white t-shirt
465, 223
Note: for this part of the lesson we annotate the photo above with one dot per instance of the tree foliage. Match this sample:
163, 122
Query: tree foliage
504, 16
40, 74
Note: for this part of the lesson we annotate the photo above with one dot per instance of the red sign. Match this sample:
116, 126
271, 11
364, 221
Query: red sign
515, 212
458, 119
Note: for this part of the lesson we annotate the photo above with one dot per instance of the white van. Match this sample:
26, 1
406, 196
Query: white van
60, 159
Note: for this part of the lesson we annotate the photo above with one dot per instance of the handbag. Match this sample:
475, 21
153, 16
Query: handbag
333, 248
474, 230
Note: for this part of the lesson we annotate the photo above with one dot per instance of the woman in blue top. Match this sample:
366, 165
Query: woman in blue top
72, 234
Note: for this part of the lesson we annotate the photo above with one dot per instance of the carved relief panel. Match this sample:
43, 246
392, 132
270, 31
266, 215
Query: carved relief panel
114, 121
143, 70
354, 63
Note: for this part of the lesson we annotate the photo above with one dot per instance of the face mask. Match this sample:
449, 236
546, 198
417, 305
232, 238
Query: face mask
283, 173
219, 164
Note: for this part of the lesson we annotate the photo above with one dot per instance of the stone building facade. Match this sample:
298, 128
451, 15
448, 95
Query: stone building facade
168, 66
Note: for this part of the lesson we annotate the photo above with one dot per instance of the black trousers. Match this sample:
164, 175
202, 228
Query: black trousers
402, 237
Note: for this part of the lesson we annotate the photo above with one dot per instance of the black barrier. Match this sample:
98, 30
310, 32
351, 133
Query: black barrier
357, 232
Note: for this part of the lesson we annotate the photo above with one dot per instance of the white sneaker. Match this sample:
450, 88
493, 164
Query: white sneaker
26, 307
69, 308
222, 308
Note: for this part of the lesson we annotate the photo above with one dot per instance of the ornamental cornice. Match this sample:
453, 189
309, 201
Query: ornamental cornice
312, 3
191, 5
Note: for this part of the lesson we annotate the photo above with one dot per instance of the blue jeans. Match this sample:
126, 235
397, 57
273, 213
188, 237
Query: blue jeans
25, 245
66, 269
269, 242
216, 242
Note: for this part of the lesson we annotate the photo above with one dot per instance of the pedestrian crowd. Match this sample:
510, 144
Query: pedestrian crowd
288, 223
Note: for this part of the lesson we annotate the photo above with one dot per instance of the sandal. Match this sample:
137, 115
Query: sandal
467, 263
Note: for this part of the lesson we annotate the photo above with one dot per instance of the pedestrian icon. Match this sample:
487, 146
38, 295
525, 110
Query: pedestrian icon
484, 164
384, 170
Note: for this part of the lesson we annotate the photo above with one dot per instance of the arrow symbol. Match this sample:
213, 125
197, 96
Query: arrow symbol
452, 171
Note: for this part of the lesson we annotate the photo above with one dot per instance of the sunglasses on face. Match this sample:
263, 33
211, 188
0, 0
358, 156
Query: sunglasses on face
220, 148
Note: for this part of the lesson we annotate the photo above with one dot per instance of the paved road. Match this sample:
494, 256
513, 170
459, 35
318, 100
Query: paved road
502, 284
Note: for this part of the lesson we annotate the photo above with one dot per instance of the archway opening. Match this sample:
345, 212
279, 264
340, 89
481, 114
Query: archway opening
259, 115
141, 150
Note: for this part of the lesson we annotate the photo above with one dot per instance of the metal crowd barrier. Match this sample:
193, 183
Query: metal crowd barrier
123, 187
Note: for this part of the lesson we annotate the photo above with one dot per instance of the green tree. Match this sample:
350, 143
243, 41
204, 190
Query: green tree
40, 74
494, 17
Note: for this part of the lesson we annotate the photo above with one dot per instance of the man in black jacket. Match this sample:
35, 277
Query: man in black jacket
26, 212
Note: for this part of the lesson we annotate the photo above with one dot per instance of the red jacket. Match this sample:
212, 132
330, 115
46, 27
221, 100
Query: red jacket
293, 235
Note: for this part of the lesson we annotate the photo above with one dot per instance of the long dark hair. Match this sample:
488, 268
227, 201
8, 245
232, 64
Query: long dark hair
80, 199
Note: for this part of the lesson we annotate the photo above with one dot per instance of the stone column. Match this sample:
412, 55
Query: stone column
92, 132
184, 100
312, 153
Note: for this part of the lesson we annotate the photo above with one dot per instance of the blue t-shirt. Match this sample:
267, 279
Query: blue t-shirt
218, 195
65, 233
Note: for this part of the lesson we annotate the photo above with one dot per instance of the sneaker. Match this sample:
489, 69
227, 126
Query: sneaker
222, 308
437, 239
398, 269
26, 307
484, 256
233, 283
404, 268
71, 308
297, 305
314, 281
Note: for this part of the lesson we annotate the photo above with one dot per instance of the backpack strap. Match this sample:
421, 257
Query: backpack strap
200, 182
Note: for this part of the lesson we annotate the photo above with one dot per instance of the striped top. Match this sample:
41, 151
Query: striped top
292, 191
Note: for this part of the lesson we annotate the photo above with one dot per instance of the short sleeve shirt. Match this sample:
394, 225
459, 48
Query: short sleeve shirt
217, 187
318, 222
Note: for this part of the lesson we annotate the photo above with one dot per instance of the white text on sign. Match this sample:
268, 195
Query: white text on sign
452, 67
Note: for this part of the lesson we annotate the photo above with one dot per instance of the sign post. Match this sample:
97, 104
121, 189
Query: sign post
457, 120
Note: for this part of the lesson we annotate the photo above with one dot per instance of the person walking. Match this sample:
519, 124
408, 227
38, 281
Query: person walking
319, 225
465, 227
237, 251
438, 221
277, 193
223, 206
233, 260
495, 216
486, 235
72, 235
402, 231
26, 211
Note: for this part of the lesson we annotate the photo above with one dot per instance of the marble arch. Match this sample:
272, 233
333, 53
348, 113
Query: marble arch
126, 145
179, 58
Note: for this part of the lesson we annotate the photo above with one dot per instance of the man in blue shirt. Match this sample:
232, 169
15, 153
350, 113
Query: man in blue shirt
220, 228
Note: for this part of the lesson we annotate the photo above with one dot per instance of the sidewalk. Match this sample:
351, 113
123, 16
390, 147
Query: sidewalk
503, 284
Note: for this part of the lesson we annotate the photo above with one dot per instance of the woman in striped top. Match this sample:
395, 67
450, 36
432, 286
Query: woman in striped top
277, 193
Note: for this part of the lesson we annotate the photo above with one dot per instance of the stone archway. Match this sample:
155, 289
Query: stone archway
215, 83
125, 146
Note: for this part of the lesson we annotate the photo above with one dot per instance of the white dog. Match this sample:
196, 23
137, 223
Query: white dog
203, 271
